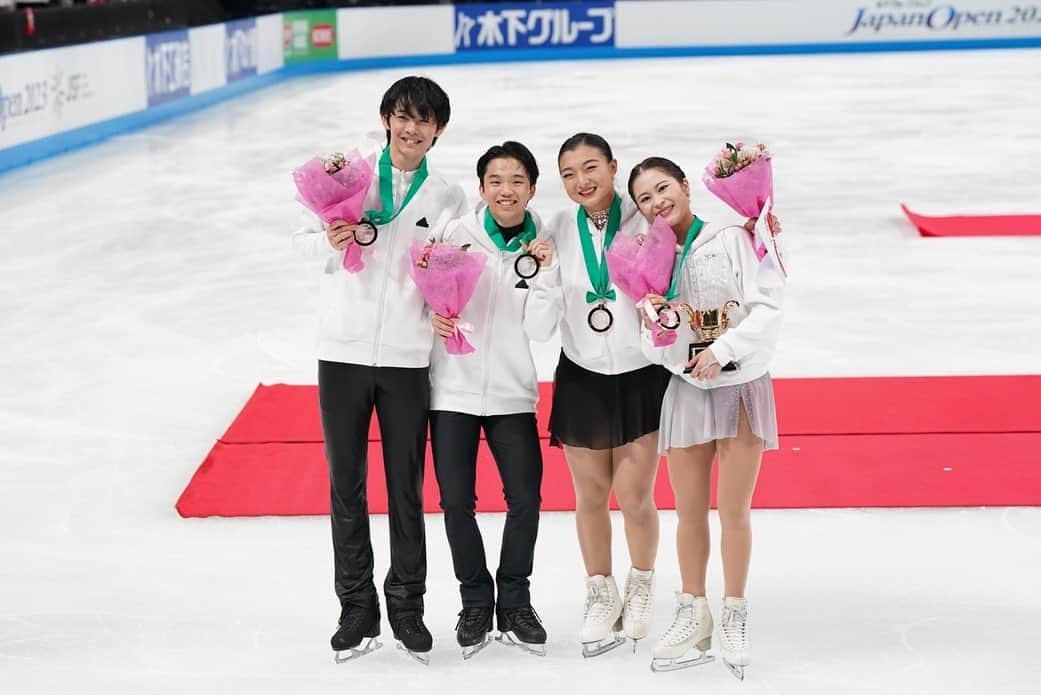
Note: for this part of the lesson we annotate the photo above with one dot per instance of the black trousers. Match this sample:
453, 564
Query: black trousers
514, 441
347, 394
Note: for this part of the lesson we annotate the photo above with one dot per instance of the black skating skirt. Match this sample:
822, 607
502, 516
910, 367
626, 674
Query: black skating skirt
602, 411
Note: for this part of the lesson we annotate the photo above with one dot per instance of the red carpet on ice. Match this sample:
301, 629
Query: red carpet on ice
845, 442
975, 225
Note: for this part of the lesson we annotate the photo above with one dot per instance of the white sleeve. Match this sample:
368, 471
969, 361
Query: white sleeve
761, 326
544, 306
310, 240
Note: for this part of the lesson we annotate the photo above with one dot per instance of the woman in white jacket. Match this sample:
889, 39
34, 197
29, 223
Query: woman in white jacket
494, 388
607, 395
719, 403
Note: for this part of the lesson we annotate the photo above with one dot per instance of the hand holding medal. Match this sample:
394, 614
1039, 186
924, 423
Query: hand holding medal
641, 267
334, 188
537, 254
526, 265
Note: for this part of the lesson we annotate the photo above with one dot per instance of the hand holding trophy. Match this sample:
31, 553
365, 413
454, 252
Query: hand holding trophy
708, 324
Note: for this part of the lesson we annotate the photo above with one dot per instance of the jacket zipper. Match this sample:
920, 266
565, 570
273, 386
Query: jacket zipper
383, 294
489, 319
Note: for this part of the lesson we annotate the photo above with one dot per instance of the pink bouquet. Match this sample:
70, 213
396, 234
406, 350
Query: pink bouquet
334, 188
742, 177
446, 276
642, 265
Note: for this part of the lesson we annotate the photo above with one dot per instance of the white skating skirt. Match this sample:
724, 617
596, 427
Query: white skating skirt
691, 415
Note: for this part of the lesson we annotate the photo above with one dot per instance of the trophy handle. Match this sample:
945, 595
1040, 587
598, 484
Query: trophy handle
725, 319
691, 315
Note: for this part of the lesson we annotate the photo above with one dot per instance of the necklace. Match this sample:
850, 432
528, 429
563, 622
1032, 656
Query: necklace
599, 218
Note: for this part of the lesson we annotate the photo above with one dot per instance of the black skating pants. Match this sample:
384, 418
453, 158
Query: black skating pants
514, 442
401, 397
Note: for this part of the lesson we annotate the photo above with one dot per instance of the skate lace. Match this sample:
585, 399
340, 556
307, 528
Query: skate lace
684, 623
734, 626
596, 602
637, 596
524, 617
472, 617
409, 624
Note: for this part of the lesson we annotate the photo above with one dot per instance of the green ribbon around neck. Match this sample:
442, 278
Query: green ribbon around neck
388, 213
692, 234
495, 233
599, 278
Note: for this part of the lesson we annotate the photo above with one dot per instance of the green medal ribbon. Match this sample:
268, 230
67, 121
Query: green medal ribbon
492, 227
387, 214
692, 234
599, 278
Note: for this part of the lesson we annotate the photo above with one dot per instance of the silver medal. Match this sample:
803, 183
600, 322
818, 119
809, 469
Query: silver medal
600, 319
365, 233
526, 266
669, 318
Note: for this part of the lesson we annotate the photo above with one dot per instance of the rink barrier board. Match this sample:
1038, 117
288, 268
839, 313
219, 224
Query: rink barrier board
437, 48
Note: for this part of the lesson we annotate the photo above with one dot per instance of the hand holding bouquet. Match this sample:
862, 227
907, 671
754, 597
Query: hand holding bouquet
447, 276
642, 265
742, 177
334, 188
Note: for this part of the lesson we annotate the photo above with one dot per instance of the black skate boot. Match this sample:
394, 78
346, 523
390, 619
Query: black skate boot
412, 635
358, 622
521, 627
472, 630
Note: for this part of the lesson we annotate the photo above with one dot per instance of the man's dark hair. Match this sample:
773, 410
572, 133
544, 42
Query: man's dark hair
419, 96
511, 150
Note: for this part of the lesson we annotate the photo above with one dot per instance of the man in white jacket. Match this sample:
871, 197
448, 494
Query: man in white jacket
495, 389
374, 343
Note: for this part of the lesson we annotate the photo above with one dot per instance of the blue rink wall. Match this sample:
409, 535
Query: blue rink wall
56, 100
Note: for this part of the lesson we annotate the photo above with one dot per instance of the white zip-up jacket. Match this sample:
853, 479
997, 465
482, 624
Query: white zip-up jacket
720, 266
558, 298
377, 317
499, 377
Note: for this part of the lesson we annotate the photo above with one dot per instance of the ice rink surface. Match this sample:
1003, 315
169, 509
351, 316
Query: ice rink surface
147, 284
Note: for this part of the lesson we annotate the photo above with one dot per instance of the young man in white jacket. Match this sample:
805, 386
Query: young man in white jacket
373, 351
494, 388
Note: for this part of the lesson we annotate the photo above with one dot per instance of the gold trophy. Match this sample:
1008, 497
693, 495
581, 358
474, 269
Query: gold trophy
709, 324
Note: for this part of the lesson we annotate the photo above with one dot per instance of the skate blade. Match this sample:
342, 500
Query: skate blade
664, 665
421, 657
593, 649
370, 646
737, 672
470, 652
510, 640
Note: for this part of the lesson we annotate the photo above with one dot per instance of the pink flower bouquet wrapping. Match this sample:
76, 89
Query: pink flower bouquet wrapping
447, 276
642, 265
742, 177
334, 188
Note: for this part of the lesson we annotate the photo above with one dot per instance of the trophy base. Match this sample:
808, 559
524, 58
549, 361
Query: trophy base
697, 348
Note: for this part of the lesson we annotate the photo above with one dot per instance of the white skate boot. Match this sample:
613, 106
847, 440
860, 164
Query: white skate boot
603, 618
638, 606
691, 629
733, 636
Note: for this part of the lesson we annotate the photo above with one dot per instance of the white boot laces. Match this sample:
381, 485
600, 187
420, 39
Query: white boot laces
596, 603
683, 624
638, 596
735, 622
